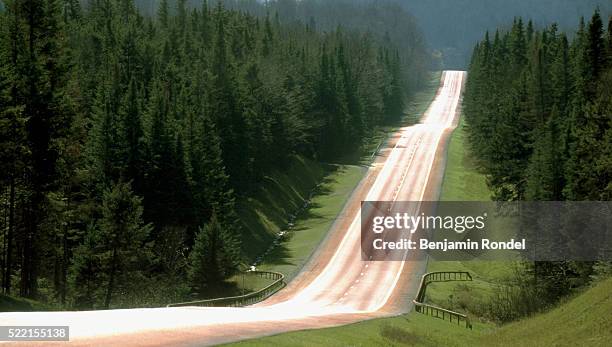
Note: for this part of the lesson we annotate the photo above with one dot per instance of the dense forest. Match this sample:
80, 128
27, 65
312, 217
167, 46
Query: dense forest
450, 27
385, 19
538, 108
127, 138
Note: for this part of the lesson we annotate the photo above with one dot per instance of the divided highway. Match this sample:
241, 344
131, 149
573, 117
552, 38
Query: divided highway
336, 286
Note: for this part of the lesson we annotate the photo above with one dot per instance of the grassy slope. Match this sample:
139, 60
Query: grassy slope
280, 200
582, 321
280, 195
408, 330
312, 225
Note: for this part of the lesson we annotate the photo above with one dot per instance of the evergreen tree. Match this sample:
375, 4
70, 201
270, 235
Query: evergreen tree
43, 80
133, 136
355, 122
13, 148
160, 200
589, 125
226, 113
162, 13
394, 106
114, 249
105, 147
213, 257
595, 52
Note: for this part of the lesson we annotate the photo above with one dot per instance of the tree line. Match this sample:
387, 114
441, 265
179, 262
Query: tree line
387, 20
127, 138
452, 26
538, 108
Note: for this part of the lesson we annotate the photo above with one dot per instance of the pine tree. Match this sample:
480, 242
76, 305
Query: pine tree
114, 249
226, 113
182, 17
561, 83
213, 257
395, 105
259, 125
518, 45
588, 124
44, 80
595, 52
545, 171
105, 146
268, 37
13, 151
609, 43
162, 13
86, 271
158, 199
355, 122
133, 137
122, 234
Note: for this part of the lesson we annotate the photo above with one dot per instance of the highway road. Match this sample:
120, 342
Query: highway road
335, 287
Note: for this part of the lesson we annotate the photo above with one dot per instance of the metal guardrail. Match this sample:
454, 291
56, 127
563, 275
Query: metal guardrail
435, 311
242, 300
377, 149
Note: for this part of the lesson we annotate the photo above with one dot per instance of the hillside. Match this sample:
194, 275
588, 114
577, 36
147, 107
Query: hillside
582, 321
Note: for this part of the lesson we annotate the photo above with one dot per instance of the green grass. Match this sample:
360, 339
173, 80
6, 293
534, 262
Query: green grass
581, 321
467, 297
462, 181
406, 330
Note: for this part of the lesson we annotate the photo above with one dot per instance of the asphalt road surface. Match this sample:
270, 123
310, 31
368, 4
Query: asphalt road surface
336, 286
